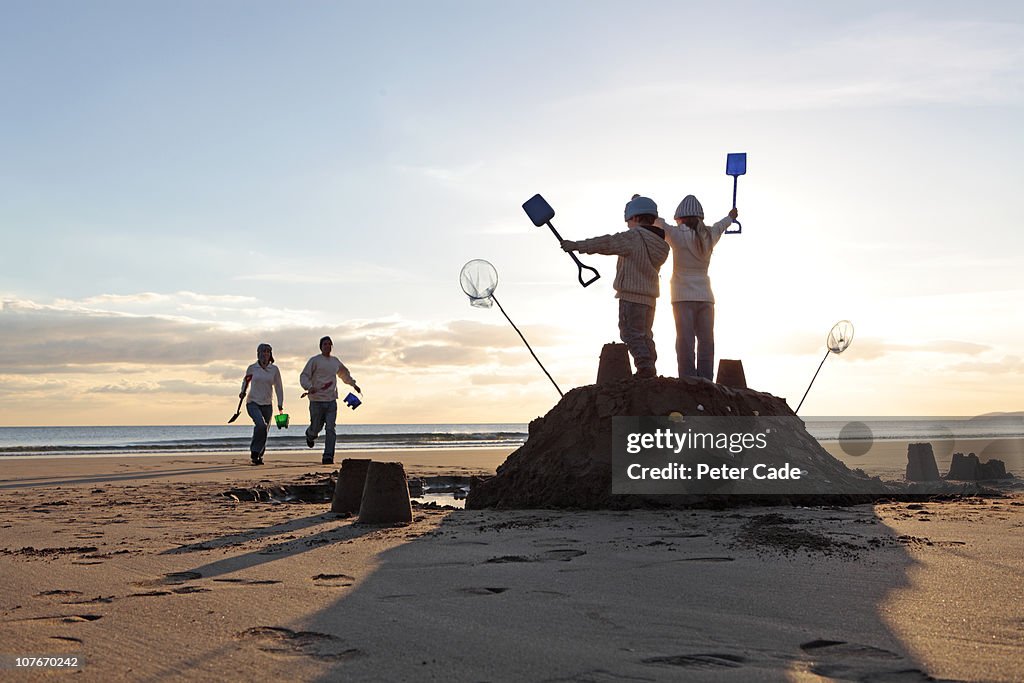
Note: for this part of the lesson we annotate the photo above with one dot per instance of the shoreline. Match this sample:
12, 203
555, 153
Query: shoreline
234, 467
339, 454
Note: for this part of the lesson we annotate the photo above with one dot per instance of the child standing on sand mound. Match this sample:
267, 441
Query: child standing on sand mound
641, 250
693, 303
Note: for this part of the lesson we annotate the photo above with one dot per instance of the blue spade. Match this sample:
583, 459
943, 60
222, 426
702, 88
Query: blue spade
540, 212
735, 165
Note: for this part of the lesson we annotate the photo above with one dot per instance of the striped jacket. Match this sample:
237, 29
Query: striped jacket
641, 254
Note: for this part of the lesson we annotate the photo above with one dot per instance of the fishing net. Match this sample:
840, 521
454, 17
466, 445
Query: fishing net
840, 337
479, 278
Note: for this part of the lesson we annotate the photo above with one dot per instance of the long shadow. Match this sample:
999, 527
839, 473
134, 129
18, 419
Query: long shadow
639, 595
36, 482
270, 553
252, 535
284, 549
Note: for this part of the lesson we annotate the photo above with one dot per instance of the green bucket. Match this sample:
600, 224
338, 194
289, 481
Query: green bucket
281, 421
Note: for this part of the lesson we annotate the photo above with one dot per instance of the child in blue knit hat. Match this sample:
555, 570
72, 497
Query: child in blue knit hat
641, 250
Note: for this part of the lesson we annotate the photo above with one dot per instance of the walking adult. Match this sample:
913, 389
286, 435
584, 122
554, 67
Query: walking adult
318, 379
262, 378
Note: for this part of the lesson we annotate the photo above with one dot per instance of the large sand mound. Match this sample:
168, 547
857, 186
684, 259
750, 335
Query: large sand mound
567, 460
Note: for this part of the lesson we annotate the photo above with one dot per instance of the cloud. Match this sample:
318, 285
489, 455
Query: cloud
171, 386
436, 354
496, 379
893, 59
79, 355
1009, 365
871, 348
74, 337
295, 273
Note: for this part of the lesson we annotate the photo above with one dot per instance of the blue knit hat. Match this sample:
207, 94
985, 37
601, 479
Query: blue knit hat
639, 205
689, 207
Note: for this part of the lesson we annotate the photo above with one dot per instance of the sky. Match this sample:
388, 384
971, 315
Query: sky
180, 181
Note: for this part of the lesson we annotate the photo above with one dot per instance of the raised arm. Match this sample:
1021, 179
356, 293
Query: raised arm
718, 229
619, 244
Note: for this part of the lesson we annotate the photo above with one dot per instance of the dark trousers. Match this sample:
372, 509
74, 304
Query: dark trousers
695, 327
323, 415
636, 323
260, 419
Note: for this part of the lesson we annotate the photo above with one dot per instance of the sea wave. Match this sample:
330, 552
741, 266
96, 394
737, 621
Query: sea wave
283, 442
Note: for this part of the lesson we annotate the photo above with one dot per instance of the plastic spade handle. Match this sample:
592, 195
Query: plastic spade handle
739, 228
582, 267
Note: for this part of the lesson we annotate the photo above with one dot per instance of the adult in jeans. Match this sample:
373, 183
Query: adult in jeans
318, 379
693, 302
262, 378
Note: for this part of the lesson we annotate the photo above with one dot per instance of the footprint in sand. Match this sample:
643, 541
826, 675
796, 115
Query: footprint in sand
561, 555
467, 542
699, 661
564, 554
857, 662
98, 600
29, 551
553, 542
67, 639
57, 593
505, 559
284, 642
65, 618
841, 648
333, 580
482, 591
249, 582
172, 579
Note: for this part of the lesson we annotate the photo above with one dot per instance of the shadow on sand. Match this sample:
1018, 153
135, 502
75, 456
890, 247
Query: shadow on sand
754, 594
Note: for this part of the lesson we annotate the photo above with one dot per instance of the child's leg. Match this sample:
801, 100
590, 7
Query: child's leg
649, 326
632, 321
683, 312
705, 331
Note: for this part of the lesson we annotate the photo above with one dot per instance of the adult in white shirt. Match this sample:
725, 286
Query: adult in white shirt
262, 378
318, 380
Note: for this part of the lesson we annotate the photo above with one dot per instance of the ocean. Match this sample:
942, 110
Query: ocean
15, 441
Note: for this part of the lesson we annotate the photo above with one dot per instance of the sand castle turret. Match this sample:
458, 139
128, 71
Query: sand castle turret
385, 495
348, 492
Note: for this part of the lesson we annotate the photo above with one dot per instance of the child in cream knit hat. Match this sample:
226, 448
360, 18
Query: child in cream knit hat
693, 302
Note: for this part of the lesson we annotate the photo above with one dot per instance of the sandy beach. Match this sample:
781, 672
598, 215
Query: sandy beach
145, 571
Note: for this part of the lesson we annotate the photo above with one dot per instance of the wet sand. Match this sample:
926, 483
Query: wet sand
141, 567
